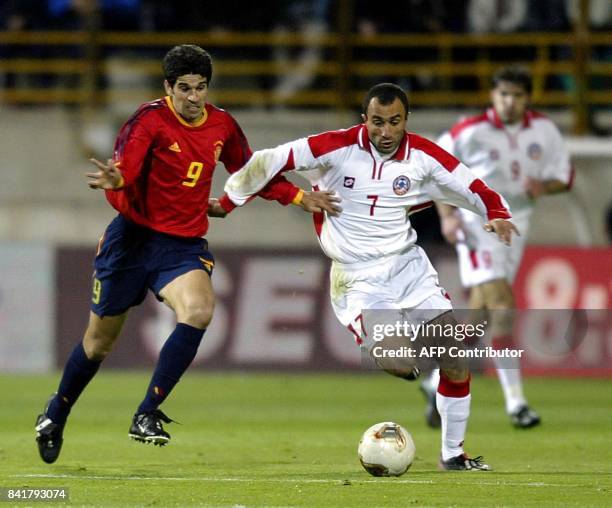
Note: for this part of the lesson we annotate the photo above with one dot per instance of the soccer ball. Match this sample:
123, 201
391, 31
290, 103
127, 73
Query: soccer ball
386, 449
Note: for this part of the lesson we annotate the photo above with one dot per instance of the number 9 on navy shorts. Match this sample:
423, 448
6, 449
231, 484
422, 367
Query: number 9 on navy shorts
132, 259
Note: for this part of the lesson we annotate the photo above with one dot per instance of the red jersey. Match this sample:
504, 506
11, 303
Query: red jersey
167, 166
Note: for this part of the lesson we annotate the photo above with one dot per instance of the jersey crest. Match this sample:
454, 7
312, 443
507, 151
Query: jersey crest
534, 151
401, 185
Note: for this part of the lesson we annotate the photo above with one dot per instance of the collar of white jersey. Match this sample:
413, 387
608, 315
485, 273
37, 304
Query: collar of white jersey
401, 154
495, 120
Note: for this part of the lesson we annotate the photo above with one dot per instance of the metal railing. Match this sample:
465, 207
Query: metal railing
570, 69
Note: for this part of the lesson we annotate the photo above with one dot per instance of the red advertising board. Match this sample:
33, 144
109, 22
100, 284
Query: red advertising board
273, 312
565, 278
556, 278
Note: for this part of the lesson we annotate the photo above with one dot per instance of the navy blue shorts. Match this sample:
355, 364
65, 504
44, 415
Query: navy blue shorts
132, 259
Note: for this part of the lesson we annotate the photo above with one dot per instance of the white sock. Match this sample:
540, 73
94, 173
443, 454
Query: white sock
509, 373
454, 413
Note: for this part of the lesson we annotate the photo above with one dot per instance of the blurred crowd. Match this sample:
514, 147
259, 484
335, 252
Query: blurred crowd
311, 19
407, 16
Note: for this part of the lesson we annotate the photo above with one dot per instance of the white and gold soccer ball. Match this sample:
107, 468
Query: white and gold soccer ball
386, 449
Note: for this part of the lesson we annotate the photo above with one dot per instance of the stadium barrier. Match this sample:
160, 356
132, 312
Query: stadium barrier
273, 312
570, 69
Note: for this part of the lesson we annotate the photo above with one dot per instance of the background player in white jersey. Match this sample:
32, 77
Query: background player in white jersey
520, 153
381, 173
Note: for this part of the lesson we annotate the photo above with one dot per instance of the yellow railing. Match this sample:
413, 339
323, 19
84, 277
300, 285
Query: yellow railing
347, 64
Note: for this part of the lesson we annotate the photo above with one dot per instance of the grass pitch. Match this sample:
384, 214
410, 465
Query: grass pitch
291, 440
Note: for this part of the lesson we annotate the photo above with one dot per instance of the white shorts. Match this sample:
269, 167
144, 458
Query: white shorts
402, 281
483, 257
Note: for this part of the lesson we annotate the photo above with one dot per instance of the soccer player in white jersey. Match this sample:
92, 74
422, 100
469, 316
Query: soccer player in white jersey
520, 153
381, 173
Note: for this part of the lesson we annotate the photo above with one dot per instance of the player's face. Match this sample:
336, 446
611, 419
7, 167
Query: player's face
386, 124
188, 96
510, 101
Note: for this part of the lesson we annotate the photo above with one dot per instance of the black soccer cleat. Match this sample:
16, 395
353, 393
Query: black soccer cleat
463, 463
148, 428
49, 436
432, 416
525, 418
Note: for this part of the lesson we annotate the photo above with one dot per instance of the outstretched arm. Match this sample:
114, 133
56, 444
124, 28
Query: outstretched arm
261, 168
235, 154
309, 201
456, 185
265, 166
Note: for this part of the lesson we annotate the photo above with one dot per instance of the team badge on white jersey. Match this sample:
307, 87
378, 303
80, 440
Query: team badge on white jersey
534, 151
401, 185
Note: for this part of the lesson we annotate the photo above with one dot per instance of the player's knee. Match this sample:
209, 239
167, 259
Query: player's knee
456, 374
386, 357
198, 314
97, 346
498, 297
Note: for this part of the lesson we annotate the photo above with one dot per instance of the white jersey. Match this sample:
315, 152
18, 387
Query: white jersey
505, 156
377, 193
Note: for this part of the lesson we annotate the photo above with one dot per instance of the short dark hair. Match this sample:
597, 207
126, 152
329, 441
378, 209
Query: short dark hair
186, 59
386, 93
514, 74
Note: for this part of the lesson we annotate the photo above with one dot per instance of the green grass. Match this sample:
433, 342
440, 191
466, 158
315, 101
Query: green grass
276, 440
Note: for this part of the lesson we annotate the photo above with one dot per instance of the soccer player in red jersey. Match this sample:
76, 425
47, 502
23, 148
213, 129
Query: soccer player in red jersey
159, 181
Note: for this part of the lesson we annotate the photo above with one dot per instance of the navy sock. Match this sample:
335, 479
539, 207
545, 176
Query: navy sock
174, 358
78, 372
